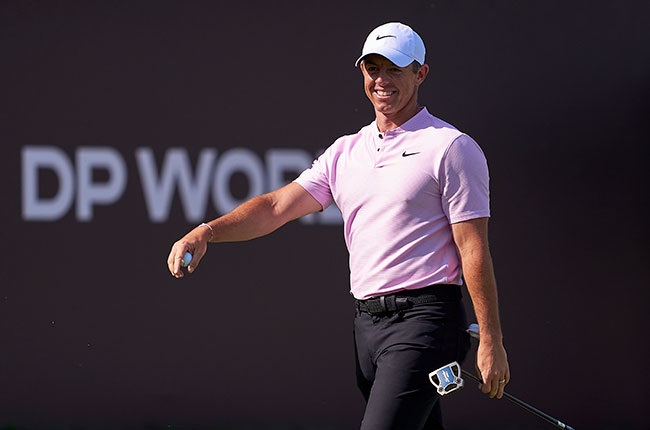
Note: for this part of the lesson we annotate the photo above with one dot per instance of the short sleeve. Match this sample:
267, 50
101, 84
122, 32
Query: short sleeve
465, 181
315, 180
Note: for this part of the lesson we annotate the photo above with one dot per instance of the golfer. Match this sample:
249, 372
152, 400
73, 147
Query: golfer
414, 195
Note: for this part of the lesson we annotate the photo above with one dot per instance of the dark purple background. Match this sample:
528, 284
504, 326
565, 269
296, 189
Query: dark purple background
94, 333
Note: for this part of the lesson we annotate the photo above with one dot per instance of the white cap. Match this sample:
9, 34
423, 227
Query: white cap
395, 41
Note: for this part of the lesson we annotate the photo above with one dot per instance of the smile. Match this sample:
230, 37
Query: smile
384, 93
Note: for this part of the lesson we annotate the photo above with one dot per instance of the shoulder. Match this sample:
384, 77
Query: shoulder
464, 144
430, 126
448, 133
347, 141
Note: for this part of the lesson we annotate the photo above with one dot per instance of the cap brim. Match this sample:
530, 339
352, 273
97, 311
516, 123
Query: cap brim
396, 57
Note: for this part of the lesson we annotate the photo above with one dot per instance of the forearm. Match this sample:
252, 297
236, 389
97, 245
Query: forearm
264, 214
479, 277
491, 359
254, 218
471, 240
257, 217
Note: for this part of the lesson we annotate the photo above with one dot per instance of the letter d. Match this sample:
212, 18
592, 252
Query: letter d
36, 208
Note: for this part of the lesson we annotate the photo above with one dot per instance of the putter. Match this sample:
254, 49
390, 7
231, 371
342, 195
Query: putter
448, 379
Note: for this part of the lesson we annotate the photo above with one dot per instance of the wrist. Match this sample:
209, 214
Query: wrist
210, 229
491, 336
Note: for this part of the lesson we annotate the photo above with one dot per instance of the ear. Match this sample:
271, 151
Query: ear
423, 72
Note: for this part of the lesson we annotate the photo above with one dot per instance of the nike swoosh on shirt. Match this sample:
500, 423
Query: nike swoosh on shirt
408, 154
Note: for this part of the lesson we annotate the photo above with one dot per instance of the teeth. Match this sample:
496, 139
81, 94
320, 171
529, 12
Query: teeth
384, 93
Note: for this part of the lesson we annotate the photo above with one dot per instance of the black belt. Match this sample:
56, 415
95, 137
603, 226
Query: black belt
408, 298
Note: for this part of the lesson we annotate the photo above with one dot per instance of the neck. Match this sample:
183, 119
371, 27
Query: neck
392, 121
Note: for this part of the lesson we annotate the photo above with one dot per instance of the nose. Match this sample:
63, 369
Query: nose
381, 78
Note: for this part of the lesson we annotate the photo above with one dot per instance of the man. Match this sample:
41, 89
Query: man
414, 196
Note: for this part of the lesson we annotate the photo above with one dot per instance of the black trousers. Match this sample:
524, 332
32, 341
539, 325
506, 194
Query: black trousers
396, 351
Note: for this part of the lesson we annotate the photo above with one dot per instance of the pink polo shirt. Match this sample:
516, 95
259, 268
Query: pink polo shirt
398, 194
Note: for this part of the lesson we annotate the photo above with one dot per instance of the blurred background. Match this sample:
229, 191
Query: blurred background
126, 123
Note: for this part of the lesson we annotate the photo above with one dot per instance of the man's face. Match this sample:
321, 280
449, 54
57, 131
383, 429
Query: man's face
391, 89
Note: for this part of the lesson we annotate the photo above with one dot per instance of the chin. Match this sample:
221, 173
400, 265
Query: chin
384, 109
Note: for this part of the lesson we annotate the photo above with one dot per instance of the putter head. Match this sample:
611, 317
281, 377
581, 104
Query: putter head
447, 378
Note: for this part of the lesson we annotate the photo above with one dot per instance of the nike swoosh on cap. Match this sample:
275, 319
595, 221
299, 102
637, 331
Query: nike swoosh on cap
408, 154
383, 37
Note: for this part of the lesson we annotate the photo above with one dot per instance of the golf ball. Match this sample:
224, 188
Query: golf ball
187, 258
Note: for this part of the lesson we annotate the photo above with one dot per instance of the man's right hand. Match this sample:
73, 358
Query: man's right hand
196, 243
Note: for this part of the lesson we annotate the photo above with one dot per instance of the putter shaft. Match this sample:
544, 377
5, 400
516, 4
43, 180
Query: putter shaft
524, 405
